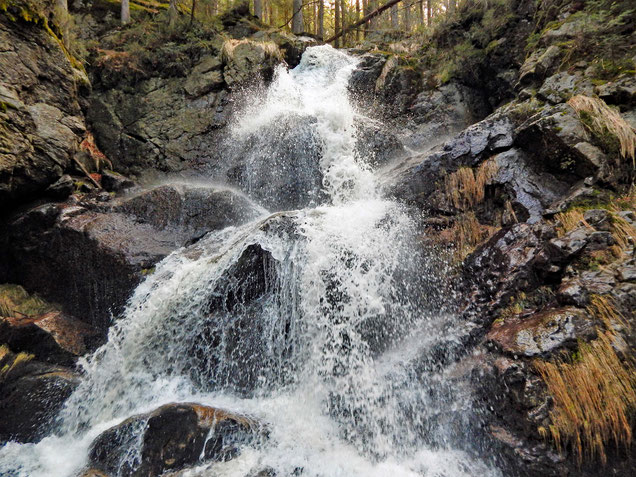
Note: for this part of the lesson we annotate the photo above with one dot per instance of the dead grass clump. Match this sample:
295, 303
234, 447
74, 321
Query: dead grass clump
569, 221
269, 48
465, 234
602, 119
466, 187
623, 233
603, 308
594, 400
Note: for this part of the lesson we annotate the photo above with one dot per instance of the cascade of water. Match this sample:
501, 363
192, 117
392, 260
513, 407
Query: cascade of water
319, 322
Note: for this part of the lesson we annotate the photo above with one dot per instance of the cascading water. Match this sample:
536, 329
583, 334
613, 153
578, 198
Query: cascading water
324, 322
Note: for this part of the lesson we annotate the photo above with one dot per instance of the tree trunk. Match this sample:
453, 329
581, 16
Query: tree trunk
395, 19
297, 19
421, 11
429, 12
125, 11
258, 9
337, 23
321, 18
357, 18
407, 17
172, 13
194, 7
365, 12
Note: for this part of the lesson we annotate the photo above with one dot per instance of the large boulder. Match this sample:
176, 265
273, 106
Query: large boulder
90, 256
41, 122
31, 395
170, 438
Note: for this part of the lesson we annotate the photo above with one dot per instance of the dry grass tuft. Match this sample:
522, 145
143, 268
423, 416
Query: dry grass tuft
622, 231
466, 187
269, 48
603, 308
594, 400
602, 120
569, 221
465, 234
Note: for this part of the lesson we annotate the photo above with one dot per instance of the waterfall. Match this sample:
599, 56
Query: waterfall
325, 322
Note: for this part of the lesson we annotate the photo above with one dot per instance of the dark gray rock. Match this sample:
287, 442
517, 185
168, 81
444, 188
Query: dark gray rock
41, 123
543, 334
600, 219
170, 438
62, 188
114, 182
90, 257
31, 395
417, 179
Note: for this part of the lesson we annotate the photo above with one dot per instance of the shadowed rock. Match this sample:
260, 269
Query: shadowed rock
172, 437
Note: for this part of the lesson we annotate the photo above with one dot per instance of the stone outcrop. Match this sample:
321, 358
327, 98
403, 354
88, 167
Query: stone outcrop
41, 87
31, 395
172, 437
89, 255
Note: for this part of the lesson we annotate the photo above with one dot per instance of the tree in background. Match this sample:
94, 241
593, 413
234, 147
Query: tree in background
125, 11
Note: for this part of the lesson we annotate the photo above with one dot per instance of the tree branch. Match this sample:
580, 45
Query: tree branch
371, 15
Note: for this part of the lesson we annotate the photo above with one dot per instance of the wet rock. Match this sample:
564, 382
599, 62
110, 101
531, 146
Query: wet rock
90, 257
504, 265
562, 86
41, 124
572, 292
571, 243
542, 334
281, 175
31, 395
416, 180
600, 219
366, 73
205, 76
539, 64
250, 60
627, 273
172, 437
114, 182
600, 241
61, 189
376, 145
52, 337
437, 114
552, 138
531, 189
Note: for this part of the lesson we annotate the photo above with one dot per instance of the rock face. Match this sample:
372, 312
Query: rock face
41, 123
172, 437
90, 256
31, 395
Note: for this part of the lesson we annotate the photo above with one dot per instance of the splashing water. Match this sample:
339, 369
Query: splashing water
329, 337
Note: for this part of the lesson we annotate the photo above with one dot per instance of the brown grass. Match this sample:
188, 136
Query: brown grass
604, 119
466, 187
465, 234
622, 231
603, 308
594, 400
569, 221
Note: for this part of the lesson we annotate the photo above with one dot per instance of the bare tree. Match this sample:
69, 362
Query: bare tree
297, 19
337, 22
395, 18
366, 18
321, 18
429, 12
407, 16
125, 11
357, 18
